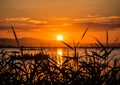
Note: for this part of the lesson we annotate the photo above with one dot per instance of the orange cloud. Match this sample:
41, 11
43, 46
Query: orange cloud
18, 19
22, 24
62, 19
75, 24
99, 23
26, 20
99, 19
37, 22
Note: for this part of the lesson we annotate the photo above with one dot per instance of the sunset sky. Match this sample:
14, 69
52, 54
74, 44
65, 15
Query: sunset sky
45, 19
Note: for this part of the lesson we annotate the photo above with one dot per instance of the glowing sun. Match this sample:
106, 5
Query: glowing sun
59, 37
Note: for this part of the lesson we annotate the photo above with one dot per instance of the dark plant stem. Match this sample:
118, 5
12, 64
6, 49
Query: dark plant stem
18, 44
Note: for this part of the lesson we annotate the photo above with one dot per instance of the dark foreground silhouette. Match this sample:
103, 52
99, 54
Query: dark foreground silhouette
91, 68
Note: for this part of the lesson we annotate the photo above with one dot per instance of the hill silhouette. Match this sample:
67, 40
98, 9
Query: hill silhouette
32, 42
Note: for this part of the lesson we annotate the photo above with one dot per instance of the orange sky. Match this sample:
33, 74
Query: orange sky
45, 19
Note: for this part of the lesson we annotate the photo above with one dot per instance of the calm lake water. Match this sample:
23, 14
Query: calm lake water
57, 51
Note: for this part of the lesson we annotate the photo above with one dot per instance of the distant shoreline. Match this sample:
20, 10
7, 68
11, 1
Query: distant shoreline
32, 47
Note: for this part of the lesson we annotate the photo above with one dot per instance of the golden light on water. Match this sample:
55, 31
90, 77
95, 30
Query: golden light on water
60, 37
59, 53
59, 56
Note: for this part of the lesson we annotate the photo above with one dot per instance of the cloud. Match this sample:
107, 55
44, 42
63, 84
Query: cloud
100, 19
22, 24
26, 20
37, 22
61, 19
99, 22
18, 19
4, 25
29, 24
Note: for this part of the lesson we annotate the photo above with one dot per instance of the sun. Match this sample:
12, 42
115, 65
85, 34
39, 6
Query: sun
60, 37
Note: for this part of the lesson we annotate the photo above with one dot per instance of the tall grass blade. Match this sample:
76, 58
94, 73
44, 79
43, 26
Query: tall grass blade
67, 45
106, 38
96, 54
84, 33
115, 40
107, 53
15, 36
103, 48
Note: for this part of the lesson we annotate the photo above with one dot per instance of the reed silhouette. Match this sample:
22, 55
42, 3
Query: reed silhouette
91, 68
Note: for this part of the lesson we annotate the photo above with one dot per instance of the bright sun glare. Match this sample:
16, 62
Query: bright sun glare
59, 37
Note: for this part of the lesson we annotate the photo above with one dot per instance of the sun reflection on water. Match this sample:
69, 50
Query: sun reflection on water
59, 56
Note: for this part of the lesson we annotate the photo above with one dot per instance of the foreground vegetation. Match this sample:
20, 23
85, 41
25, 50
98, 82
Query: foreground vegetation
91, 68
